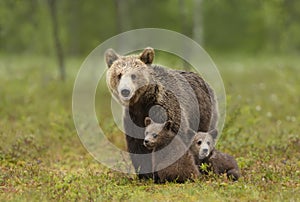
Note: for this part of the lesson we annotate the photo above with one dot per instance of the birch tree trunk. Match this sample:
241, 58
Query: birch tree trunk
57, 43
198, 22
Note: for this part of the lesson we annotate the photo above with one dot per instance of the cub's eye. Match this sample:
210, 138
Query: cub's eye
208, 143
133, 76
199, 142
119, 76
154, 135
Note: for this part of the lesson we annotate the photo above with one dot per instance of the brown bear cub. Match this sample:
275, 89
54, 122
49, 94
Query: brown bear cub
204, 152
171, 159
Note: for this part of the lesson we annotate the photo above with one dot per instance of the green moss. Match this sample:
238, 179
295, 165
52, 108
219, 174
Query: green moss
42, 158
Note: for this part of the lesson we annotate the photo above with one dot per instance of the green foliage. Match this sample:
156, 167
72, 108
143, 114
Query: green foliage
228, 25
42, 159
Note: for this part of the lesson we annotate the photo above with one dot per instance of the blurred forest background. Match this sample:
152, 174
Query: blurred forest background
255, 44
74, 28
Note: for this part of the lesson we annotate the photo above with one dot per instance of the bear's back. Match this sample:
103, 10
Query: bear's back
223, 161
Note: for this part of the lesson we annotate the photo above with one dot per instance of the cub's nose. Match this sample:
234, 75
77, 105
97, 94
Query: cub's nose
205, 150
125, 92
146, 142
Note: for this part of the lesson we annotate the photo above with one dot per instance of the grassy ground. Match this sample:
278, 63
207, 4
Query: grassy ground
42, 159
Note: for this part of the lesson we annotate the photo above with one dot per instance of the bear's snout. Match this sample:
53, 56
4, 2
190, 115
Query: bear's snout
149, 144
125, 92
203, 153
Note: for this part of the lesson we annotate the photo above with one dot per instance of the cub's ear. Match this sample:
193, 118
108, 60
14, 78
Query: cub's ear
214, 133
148, 121
147, 55
110, 57
168, 125
191, 134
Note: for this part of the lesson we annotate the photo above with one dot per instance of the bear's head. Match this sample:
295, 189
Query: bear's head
157, 134
203, 143
128, 76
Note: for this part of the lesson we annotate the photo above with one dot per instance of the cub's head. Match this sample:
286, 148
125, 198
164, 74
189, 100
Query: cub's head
157, 134
128, 76
203, 143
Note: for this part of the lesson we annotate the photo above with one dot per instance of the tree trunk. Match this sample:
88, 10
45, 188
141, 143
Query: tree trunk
74, 28
59, 52
122, 15
118, 16
184, 29
122, 20
198, 22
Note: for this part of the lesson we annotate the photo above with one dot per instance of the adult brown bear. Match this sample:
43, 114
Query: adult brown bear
148, 90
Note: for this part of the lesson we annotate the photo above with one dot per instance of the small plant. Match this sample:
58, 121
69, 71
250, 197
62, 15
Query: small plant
25, 147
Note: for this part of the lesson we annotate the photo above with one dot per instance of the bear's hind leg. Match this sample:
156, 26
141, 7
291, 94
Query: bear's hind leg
233, 174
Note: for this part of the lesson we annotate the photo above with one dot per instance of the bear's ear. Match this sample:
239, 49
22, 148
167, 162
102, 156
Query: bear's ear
168, 125
148, 121
147, 55
110, 57
213, 133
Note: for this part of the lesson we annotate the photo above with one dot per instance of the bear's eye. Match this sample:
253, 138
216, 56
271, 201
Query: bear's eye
133, 76
199, 142
208, 143
154, 135
119, 76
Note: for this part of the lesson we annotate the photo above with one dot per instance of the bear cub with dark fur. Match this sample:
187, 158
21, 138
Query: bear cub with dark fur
166, 147
203, 149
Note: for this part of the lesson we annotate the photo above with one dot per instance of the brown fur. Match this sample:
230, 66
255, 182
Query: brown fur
217, 161
155, 86
165, 160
